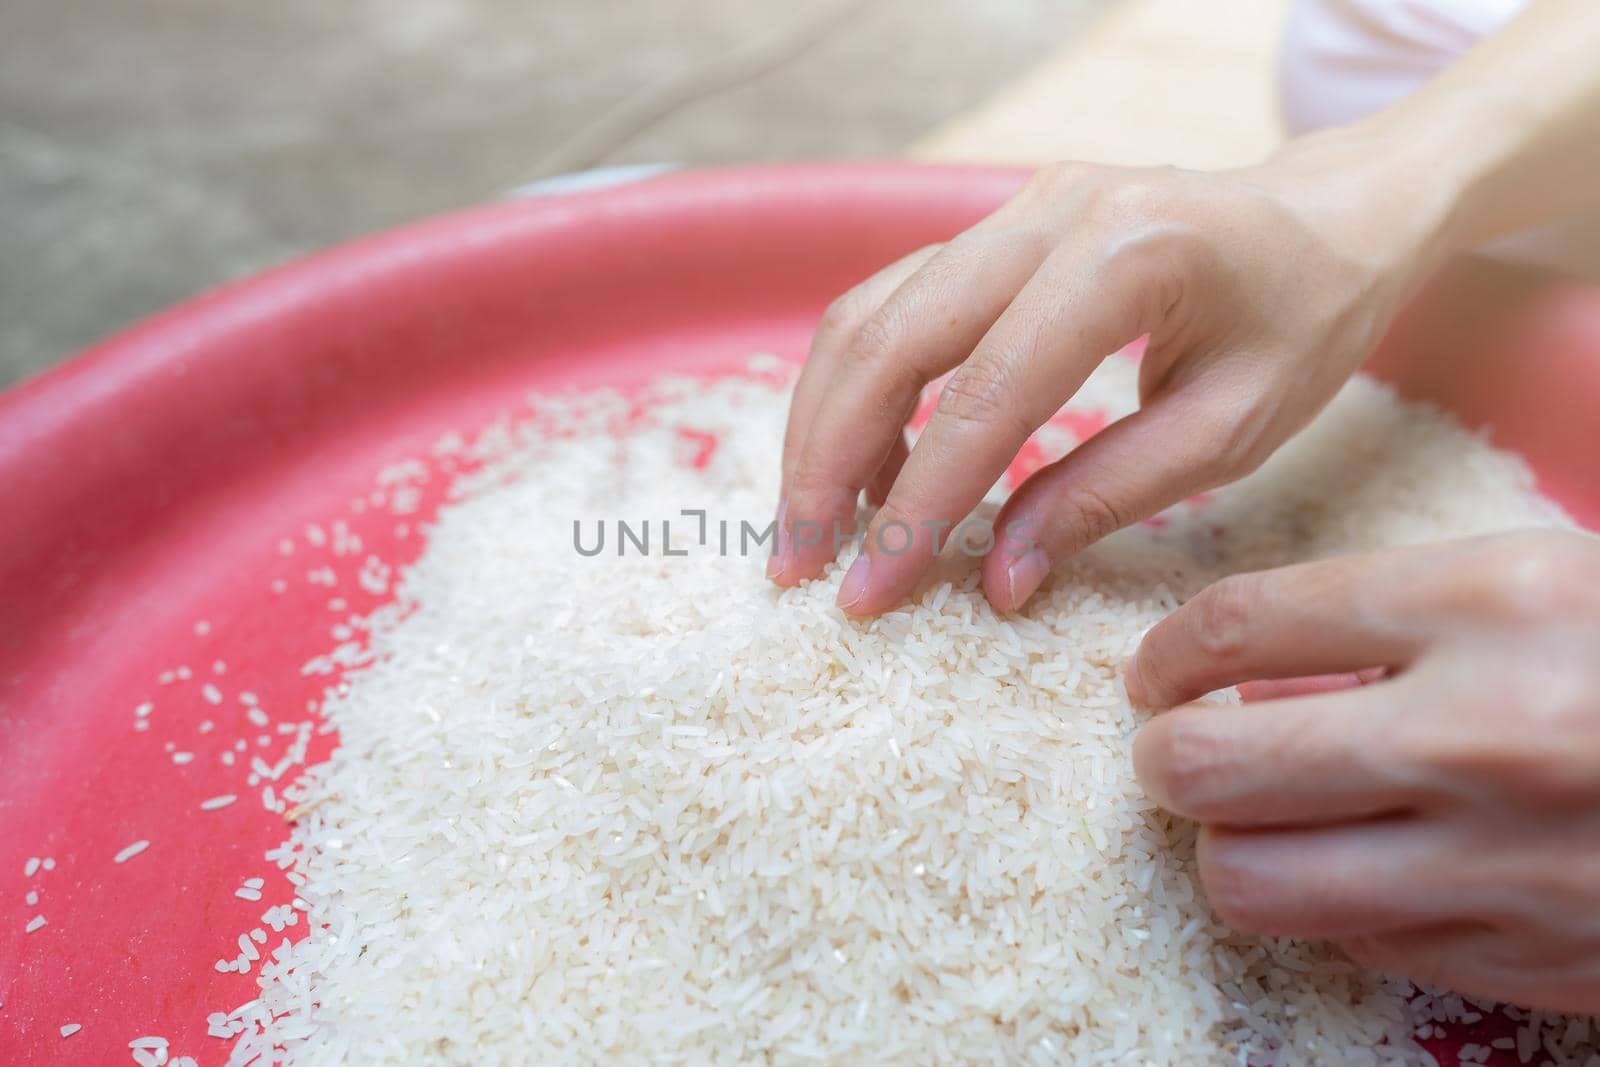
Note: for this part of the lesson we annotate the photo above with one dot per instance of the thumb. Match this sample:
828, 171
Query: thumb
1165, 452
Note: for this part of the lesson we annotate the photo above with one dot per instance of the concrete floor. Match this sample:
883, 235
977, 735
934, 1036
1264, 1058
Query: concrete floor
150, 149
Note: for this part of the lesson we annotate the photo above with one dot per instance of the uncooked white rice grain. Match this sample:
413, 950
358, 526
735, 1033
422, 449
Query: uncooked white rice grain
218, 802
635, 808
131, 851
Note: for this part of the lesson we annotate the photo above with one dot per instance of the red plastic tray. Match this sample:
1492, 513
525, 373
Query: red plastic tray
147, 485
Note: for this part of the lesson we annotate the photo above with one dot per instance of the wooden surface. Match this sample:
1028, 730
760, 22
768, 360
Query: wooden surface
1154, 81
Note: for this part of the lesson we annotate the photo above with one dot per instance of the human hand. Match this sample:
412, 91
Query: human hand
1442, 823
1261, 290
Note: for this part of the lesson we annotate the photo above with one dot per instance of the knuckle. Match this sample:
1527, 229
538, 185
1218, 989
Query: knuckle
1146, 201
1134, 250
1245, 443
845, 314
876, 339
1220, 617
877, 355
810, 483
980, 393
893, 510
1138, 199
1053, 178
1539, 573
1240, 895
1192, 764
1150, 261
1084, 515
1532, 582
893, 530
1155, 663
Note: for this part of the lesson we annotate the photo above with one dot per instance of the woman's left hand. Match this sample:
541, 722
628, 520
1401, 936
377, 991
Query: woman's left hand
1442, 822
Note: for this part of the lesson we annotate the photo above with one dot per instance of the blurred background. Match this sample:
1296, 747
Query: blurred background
151, 149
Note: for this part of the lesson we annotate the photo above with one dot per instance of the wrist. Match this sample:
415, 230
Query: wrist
1426, 179
1448, 151
1377, 207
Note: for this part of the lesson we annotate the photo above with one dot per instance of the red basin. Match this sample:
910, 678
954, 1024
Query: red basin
148, 483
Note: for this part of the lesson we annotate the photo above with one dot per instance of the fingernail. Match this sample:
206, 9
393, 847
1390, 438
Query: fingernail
779, 558
854, 586
1025, 574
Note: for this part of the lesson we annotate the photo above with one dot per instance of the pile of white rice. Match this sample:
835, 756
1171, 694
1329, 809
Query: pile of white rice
655, 809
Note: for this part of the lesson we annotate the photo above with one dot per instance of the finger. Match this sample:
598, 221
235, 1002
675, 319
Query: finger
1335, 882
1331, 616
838, 326
1068, 317
926, 327
884, 480
1130, 470
1421, 953
1487, 963
1312, 759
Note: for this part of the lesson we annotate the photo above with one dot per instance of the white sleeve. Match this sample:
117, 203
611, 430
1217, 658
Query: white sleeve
1342, 60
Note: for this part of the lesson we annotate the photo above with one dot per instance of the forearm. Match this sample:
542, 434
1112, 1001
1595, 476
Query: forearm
1514, 127
1505, 139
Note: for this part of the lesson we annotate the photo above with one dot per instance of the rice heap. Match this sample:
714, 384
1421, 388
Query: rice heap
650, 807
